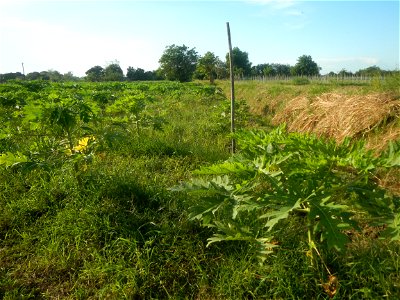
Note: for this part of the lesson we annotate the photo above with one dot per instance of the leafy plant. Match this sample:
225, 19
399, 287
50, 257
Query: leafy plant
131, 109
278, 175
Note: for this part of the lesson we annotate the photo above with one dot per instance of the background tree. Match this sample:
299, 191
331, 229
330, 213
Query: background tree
133, 74
113, 72
241, 63
258, 70
271, 70
370, 71
69, 76
207, 66
221, 70
11, 76
178, 63
344, 73
281, 69
305, 67
33, 76
44, 75
54, 75
95, 73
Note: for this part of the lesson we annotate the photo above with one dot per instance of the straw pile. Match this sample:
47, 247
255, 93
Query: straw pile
338, 115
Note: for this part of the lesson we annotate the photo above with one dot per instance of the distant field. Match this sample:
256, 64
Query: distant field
87, 172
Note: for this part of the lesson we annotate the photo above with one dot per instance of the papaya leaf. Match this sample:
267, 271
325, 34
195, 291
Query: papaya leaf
193, 186
231, 232
279, 214
228, 167
265, 247
332, 220
209, 205
9, 159
392, 155
244, 203
393, 228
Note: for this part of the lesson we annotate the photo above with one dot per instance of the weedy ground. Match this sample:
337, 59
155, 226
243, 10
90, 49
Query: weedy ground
110, 228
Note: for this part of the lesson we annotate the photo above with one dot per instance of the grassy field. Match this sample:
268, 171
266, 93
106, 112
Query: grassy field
87, 210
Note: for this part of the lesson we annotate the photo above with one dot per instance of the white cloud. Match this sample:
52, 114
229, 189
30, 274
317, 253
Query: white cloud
293, 17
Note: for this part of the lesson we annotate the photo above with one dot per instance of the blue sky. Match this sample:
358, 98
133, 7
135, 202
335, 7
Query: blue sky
76, 35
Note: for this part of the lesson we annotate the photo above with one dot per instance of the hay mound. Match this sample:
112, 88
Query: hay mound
338, 116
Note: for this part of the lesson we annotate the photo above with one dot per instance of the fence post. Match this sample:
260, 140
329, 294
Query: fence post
232, 88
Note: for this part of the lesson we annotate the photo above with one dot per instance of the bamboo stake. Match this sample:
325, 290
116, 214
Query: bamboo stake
232, 88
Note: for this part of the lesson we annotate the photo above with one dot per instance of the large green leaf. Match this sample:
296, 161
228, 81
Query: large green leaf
281, 213
330, 221
393, 228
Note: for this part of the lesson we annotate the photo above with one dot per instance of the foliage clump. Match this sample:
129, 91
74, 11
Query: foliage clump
279, 175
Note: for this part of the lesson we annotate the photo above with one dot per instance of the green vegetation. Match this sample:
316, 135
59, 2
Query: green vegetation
178, 63
280, 175
305, 66
87, 172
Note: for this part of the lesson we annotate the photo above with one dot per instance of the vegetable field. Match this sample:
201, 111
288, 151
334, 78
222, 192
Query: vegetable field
128, 191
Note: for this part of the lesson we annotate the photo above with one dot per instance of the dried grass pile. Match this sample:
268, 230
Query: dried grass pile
338, 115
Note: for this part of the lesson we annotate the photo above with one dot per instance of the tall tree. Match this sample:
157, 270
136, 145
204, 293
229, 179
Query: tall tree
282, 70
178, 63
241, 63
269, 70
54, 75
113, 72
33, 76
95, 73
305, 66
221, 70
207, 66
133, 74
258, 70
69, 76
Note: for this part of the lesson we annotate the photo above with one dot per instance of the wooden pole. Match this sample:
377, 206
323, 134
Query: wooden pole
232, 88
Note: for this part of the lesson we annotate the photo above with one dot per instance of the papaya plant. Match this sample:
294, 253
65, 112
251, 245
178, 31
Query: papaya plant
50, 126
131, 109
279, 175
63, 115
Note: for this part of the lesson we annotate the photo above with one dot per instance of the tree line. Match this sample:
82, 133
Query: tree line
180, 63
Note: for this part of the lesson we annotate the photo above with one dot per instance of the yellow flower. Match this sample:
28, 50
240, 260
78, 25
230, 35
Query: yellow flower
82, 144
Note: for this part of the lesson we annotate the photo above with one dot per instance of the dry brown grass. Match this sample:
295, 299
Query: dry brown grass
338, 115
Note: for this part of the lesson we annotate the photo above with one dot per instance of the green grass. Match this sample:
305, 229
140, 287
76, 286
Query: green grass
112, 229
